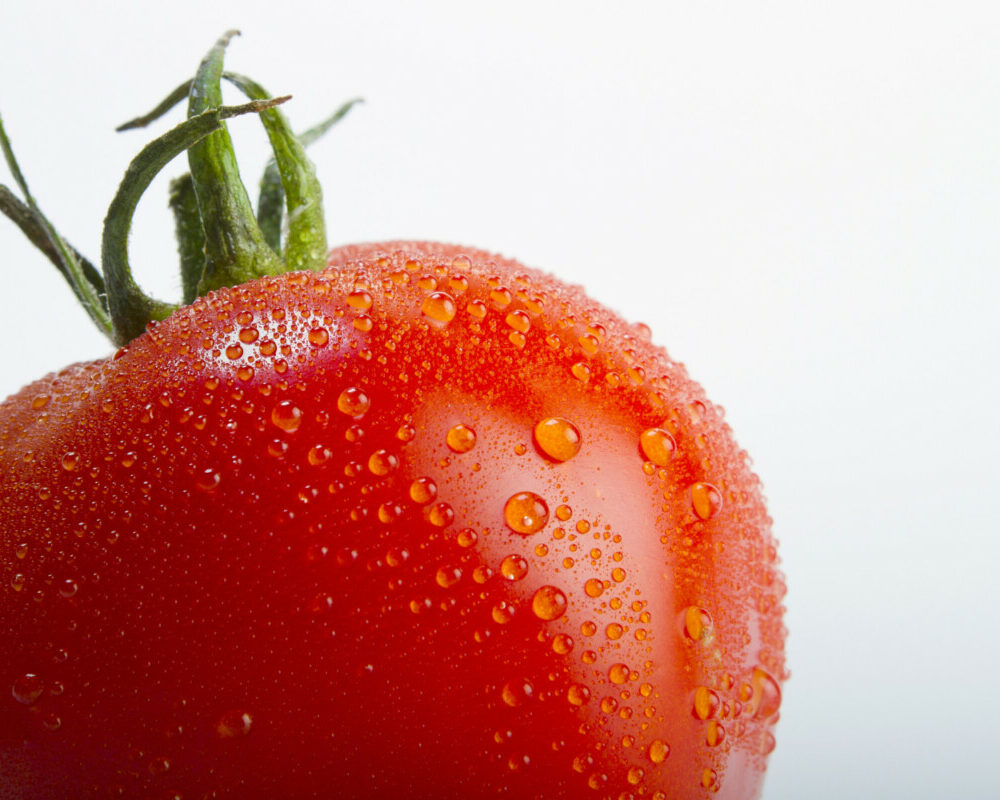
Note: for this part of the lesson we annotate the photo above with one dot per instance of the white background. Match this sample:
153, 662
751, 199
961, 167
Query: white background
801, 199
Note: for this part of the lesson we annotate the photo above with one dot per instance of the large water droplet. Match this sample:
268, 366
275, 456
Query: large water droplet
557, 438
658, 751
578, 694
518, 692
514, 567
287, 416
27, 689
439, 308
766, 694
353, 402
549, 603
526, 513
461, 438
706, 500
234, 724
658, 446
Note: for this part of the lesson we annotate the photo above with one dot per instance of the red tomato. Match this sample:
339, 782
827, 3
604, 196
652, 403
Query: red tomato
428, 524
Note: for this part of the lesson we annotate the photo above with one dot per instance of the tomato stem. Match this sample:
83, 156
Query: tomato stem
235, 250
131, 309
190, 234
82, 277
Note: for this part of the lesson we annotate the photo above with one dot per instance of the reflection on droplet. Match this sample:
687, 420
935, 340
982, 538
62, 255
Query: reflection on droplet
461, 438
526, 513
27, 689
353, 402
549, 603
706, 499
557, 438
234, 724
439, 308
658, 446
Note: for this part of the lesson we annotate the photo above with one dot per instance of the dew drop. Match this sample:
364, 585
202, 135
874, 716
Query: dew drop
635, 775
27, 689
706, 703
618, 673
503, 612
461, 438
382, 462
514, 567
441, 515
70, 461
318, 337
766, 694
697, 623
287, 416
517, 692
561, 643
549, 603
353, 402
526, 513
448, 576
657, 446
578, 694
360, 300
557, 438
234, 724
594, 587
439, 308
658, 751
706, 499
68, 588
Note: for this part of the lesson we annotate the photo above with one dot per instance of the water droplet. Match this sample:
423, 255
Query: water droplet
709, 778
234, 724
549, 603
697, 623
635, 775
658, 751
27, 689
234, 351
52, 722
706, 703
768, 743
287, 416
706, 500
439, 308
249, 335
766, 694
580, 371
318, 337
423, 491
359, 299
561, 643
526, 513
353, 402
448, 576
519, 321
503, 612
578, 694
441, 515
382, 462
21, 550
207, 480
715, 734
39, 402
557, 438
318, 455
618, 673
461, 438
518, 692
594, 587
614, 631
70, 461
657, 446
467, 537
68, 588
514, 567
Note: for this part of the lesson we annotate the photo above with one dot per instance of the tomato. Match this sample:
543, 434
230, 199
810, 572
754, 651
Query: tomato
425, 523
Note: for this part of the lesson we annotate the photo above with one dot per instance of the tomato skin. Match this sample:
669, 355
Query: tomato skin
306, 539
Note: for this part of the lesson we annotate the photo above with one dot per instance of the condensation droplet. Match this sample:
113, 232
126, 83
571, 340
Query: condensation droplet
697, 623
578, 694
461, 438
706, 703
353, 402
234, 724
618, 673
423, 491
594, 587
657, 446
766, 694
287, 416
318, 337
526, 513
658, 751
562, 643
706, 500
557, 438
448, 576
382, 462
503, 612
514, 567
517, 692
439, 308
549, 603
27, 688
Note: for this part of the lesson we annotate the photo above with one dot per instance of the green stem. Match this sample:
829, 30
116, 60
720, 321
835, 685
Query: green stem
131, 309
235, 249
90, 294
190, 234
